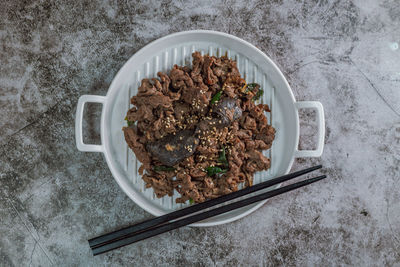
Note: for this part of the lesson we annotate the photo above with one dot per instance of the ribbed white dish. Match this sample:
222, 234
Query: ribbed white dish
161, 55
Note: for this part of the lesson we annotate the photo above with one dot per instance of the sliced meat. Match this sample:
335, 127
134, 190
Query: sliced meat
198, 62
214, 88
146, 88
157, 84
161, 185
165, 81
249, 123
173, 126
189, 94
244, 134
267, 135
208, 75
144, 112
154, 101
235, 158
229, 89
224, 69
180, 110
197, 173
132, 139
209, 124
260, 144
180, 79
257, 161
206, 150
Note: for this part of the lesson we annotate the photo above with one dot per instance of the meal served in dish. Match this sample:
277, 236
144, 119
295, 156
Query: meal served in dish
198, 130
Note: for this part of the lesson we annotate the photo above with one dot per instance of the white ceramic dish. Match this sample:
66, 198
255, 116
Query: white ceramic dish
176, 48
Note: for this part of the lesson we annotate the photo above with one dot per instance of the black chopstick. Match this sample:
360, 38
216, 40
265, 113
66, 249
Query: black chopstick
129, 239
98, 241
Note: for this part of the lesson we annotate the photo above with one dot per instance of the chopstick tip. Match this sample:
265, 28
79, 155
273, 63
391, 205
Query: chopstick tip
315, 179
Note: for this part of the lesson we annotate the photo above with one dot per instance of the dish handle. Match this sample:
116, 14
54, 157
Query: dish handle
78, 123
317, 106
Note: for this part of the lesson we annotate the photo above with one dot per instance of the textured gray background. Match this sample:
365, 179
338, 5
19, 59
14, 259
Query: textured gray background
53, 198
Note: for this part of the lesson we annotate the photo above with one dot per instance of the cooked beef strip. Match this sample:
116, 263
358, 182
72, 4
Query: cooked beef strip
208, 75
132, 138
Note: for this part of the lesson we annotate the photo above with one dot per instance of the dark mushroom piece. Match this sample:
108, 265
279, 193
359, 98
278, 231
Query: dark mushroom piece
228, 110
224, 113
172, 149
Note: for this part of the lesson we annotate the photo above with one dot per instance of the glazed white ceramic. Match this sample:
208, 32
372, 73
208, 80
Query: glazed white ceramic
161, 55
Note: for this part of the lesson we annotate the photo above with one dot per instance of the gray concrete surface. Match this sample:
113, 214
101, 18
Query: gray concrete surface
53, 198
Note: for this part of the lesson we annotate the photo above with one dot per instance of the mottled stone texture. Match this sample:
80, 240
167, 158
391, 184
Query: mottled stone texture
53, 198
